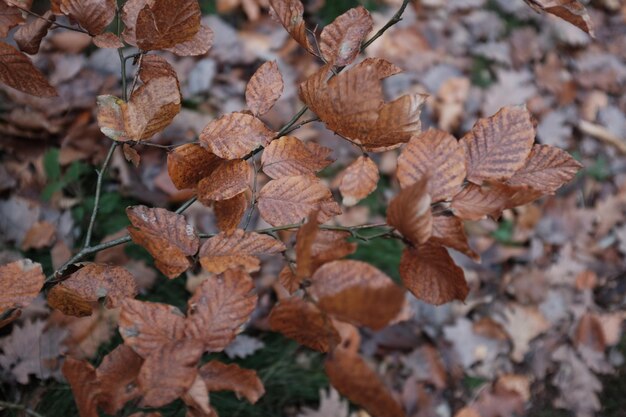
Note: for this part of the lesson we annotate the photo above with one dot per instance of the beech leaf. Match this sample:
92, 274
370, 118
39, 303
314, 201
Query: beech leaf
290, 14
264, 88
358, 180
17, 71
29, 36
229, 213
228, 179
289, 156
235, 135
245, 383
165, 23
20, 282
92, 15
189, 163
340, 41
410, 213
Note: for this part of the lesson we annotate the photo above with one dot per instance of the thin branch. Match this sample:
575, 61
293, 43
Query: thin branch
397, 17
20, 407
53, 22
186, 205
253, 202
299, 125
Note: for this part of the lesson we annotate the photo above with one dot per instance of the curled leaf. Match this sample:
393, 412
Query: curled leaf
29, 36
410, 213
290, 14
219, 376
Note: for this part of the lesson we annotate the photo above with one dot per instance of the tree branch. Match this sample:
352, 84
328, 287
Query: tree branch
53, 22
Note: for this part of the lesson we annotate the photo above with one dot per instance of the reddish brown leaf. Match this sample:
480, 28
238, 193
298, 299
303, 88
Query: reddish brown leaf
131, 155
571, 11
499, 145
165, 23
155, 66
305, 323
166, 235
20, 283
289, 13
288, 278
383, 68
448, 231
304, 242
237, 250
235, 135
129, 14
410, 213
29, 36
189, 163
264, 88
107, 40
290, 199
200, 44
341, 40
245, 383
355, 380
229, 213
330, 245
437, 155
227, 180
289, 156
85, 387
147, 326
546, 170
93, 15
75, 295
9, 18
475, 202
431, 275
218, 307
117, 378
357, 292
17, 71
589, 333
169, 371
358, 180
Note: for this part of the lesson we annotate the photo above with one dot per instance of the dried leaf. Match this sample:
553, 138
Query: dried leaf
499, 145
85, 387
245, 383
235, 135
358, 180
237, 250
227, 180
357, 292
189, 163
383, 68
437, 155
147, 326
29, 36
475, 202
448, 231
9, 18
340, 41
304, 242
264, 88
129, 14
200, 44
169, 371
305, 323
288, 200
20, 283
197, 399
290, 14
107, 40
546, 170
410, 213
166, 235
117, 378
228, 213
165, 23
76, 294
589, 333
431, 275
93, 15
572, 11
17, 71
289, 156
330, 245
219, 306
155, 66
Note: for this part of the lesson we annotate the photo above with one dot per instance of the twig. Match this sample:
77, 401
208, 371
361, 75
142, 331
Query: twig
253, 202
20, 407
136, 77
299, 125
53, 22
602, 134
186, 205
394, 19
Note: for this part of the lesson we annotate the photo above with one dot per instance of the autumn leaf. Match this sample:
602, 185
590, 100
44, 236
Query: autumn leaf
229, 213
356, 292
17, 71
93, 15
305, 323
410, 213
499, 145
431, 275
107, 40
76, 294
228, 179
340, 41
219, 376
9, 18
146, 326
117, 378
289, 156
218, 307
305, 237
166, 235
155, 66
29, 36
475, 202
449, 231
20, 283
237, 250
200, 44
290, 14
81, 376
437, 155
382, 67
235, 135
165, 23
288, 200
264, 88
572, 11
189, 163
358, 180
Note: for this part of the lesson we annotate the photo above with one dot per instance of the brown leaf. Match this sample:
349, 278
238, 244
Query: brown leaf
227, 180
437, 155
357, 292
200, 44
228, 213
289, 156
304, 242
169, 371
288, 278
383, 68
165, 23
131, 155
354, 379
330, 245
589, 333
288, 200
237, 250
9, 18
218, 307
40, 235
189, 163
107, 40
29, 36
76, 294
305, 323
475, 202
129, 14
147, 326
448, 231
20, 283
431, 275
155, 66
264, 88
117, 378
410, 213
166, 235
499, 145
197, 399
290, 14
235, 135
340, 41
572, 11
92, 15
219, 376
546, 170
358, 180
85, 387
17, 71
